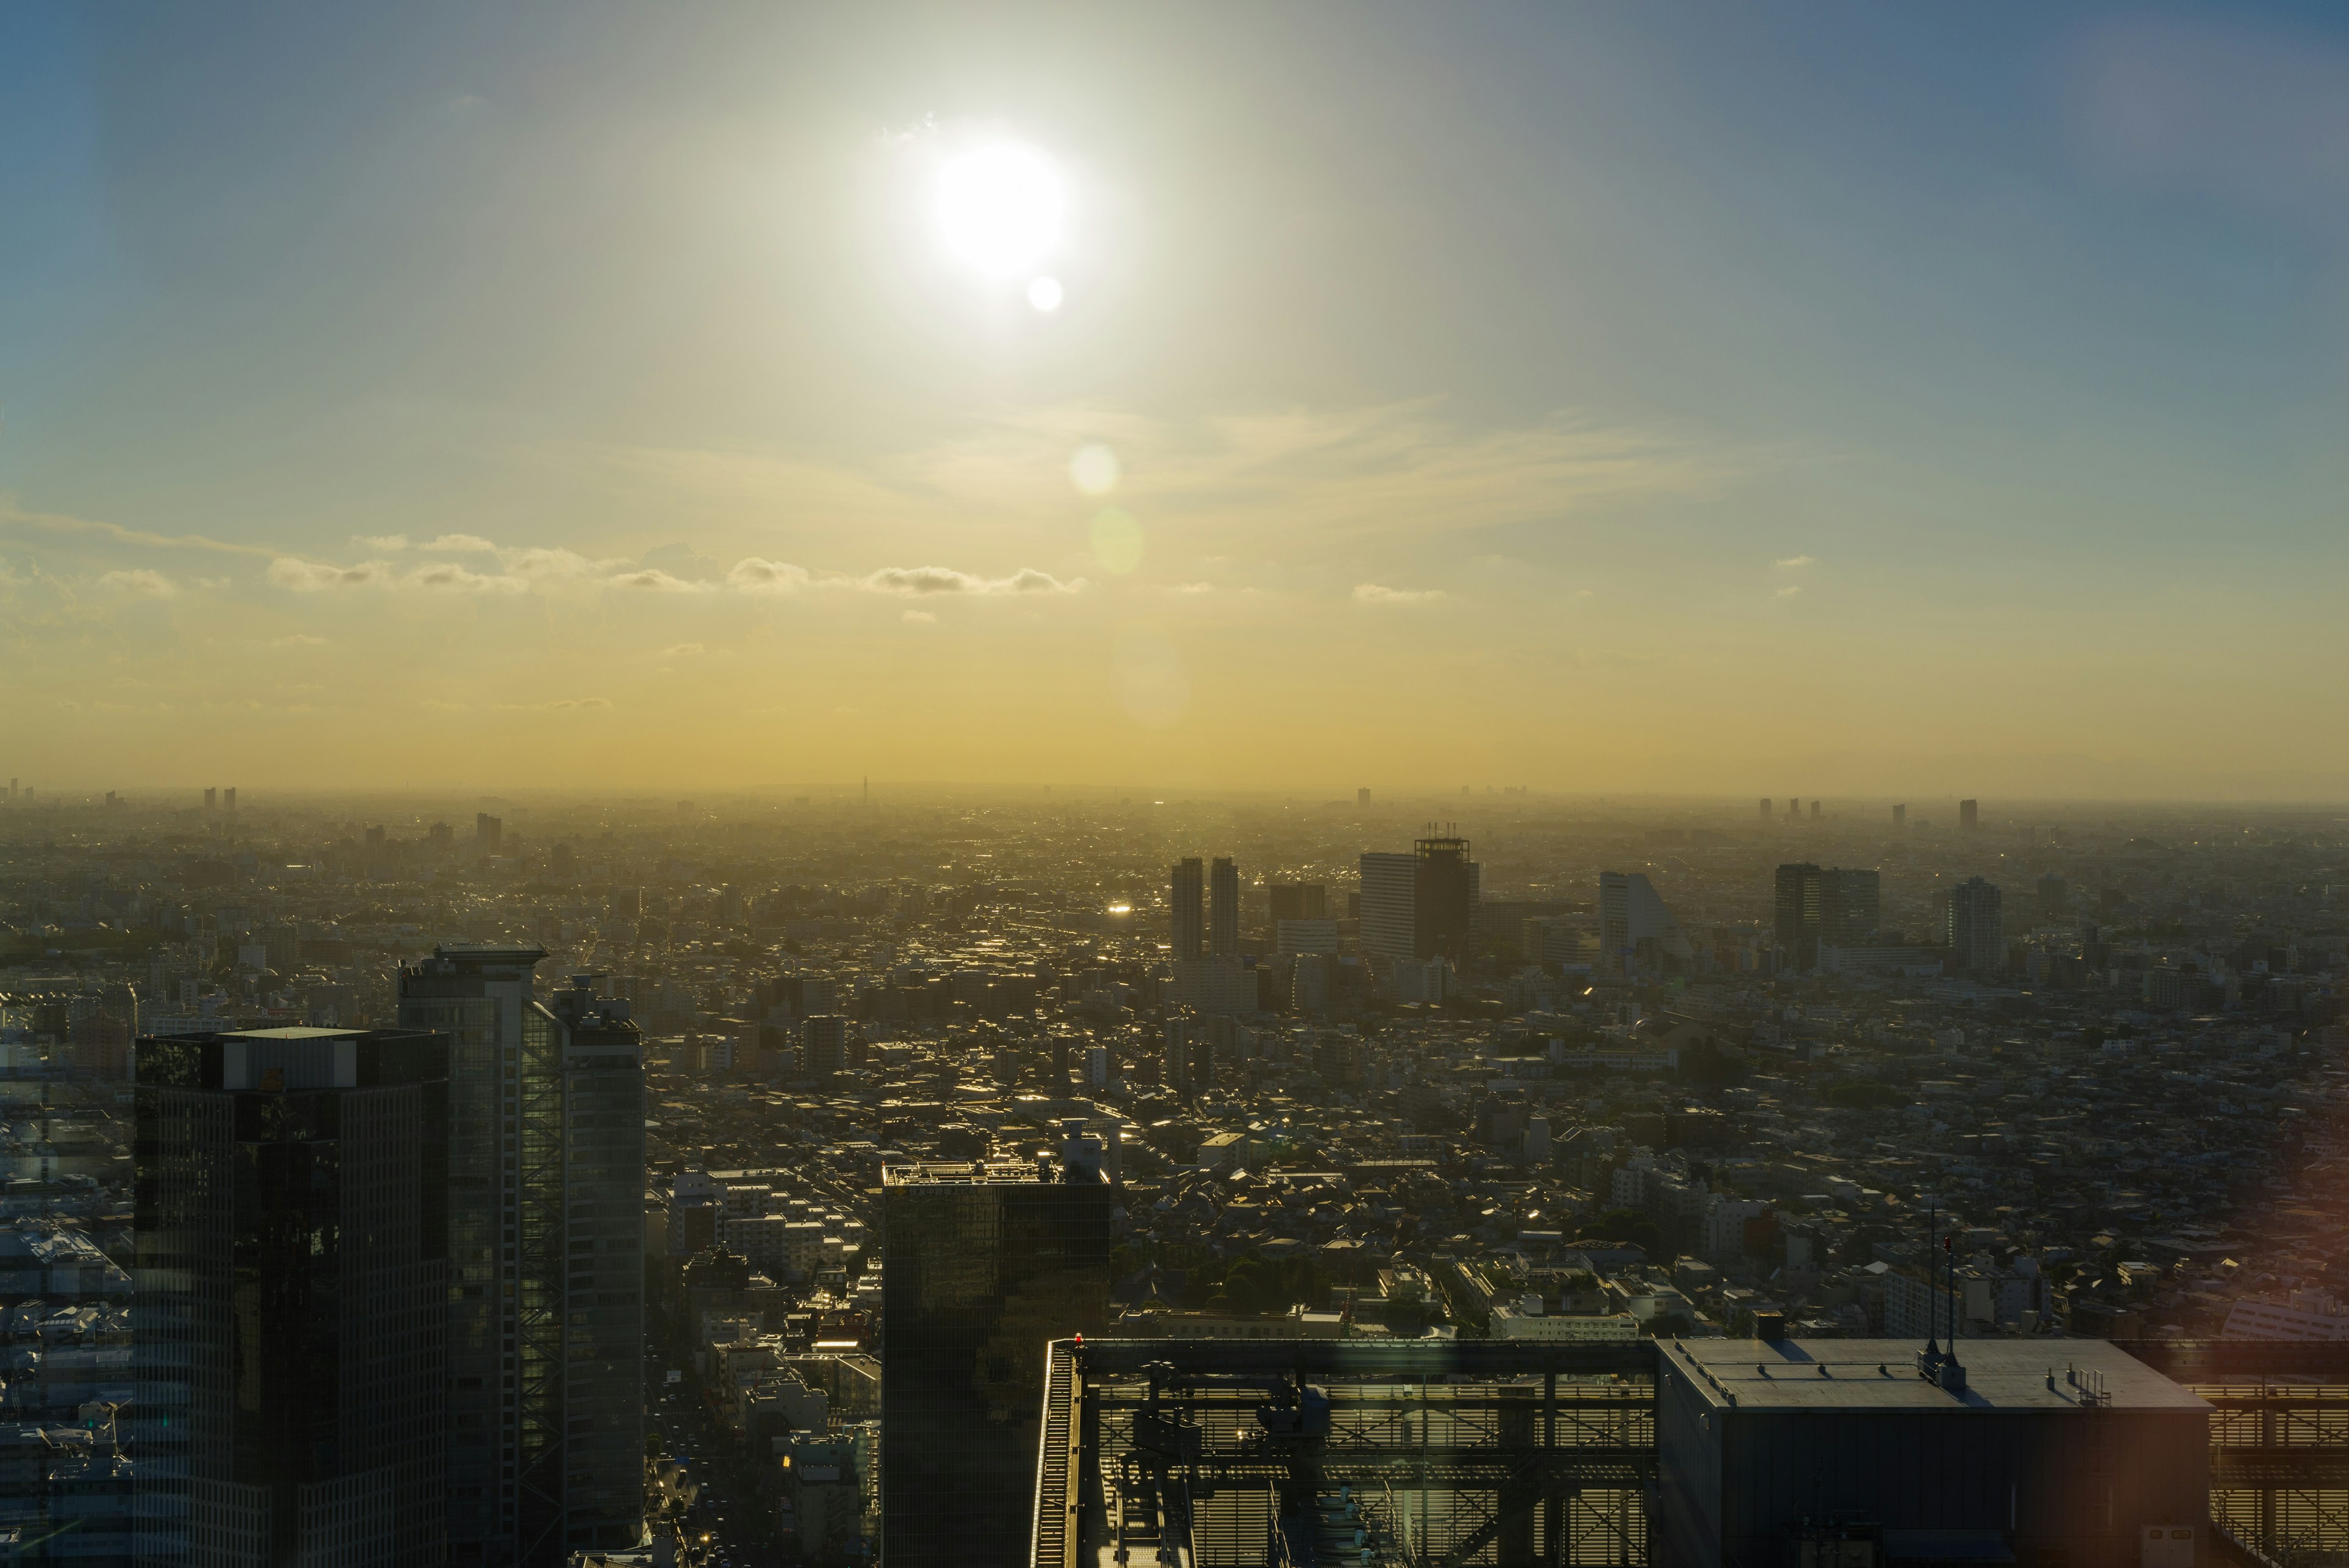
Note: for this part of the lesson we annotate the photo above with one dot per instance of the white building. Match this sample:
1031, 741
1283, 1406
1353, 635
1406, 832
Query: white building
2303, 1315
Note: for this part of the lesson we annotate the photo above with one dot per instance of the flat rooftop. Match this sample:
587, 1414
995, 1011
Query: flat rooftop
1881, 1375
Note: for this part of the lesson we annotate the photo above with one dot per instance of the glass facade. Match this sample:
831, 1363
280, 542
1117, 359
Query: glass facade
982, 1268
546, 1317
290, 1234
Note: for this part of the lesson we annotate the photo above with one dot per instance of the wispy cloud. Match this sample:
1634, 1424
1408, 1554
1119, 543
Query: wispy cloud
1789, 591
683, 650
12, 516
147, 584
1797, 561
921, 580
920, 618
752, 574
386, 544
313, 576
652, 579
461, 543
1378, 593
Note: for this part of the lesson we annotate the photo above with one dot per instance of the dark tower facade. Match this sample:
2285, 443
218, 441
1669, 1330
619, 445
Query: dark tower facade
983, 1266
546, 1175
1187, 905
291, 1236
1224, 908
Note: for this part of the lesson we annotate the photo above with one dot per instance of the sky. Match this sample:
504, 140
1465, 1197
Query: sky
1833, 399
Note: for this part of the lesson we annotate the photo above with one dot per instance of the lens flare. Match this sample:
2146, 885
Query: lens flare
1000, 209
1093, 469
1044, 294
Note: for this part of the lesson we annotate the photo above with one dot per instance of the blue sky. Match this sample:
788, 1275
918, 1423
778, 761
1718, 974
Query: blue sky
1860, 398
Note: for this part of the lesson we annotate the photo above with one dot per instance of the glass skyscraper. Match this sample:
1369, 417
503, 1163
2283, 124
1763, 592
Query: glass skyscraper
290, 1241
983, 1266
546, 1175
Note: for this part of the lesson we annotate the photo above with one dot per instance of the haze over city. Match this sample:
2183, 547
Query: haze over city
1838, 399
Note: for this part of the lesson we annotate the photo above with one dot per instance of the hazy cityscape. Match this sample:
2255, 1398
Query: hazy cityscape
1649, 1083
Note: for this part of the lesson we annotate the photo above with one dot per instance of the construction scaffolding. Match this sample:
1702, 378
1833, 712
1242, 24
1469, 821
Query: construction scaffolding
2279, 1442
1234, 1454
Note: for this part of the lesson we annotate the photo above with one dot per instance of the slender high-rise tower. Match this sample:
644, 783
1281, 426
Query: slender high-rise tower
1224, 908
1186, 899
546, 1175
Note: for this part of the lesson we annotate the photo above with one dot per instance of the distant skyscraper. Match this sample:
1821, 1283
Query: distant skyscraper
545, 1175
1421, 904
1816, 908
1186, 903
211, 796
1765, 808
1631, 912
1973, 928
1796, 906
1223, 909
1815, 806
488, 832
1900, 815
1969, 816
1850, 908
1362, 796
292, 1238
1793, 808
981, 1269
228, 798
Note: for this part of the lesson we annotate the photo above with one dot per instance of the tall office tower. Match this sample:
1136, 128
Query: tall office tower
1973, 928
1176, 1066
211, 796
228, 798
1765, 808
488, 832
1185, 902
1851, 905
1421, 904
823, 1044
1794, 809
1901, 816
1631, 912
291, 1247
545, 1173
1223, 909
1362, 796
1797, 908
982, 1267
1816, 804
1969, 816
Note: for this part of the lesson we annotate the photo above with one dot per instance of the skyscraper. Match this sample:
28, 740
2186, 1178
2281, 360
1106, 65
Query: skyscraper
291, 1247
211, 796
983, 1265
1900, 815
1297, 901
1796, 906
1185, 905
228, 798
1765, 808
1224, 908
1973, 928
1850, 907
1631, 913
488, 832
1421, 904
1816, 909
546, 1175
1969, 816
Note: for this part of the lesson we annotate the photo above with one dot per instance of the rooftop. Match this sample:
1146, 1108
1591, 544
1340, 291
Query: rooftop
1881, 1375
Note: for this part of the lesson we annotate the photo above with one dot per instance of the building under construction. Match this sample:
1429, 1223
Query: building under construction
1695, 1454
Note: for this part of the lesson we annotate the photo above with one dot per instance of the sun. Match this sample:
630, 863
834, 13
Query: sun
1001, 208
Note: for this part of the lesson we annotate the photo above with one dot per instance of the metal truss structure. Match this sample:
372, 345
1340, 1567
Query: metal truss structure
1294, 1453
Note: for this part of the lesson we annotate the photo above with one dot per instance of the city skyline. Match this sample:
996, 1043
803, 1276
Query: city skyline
1819, 394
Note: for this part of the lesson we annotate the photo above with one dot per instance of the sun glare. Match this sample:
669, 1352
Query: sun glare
1000, 209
